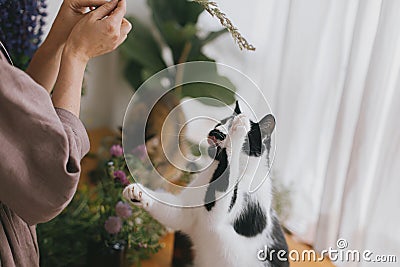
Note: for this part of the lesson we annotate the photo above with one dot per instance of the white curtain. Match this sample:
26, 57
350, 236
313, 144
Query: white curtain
330, 70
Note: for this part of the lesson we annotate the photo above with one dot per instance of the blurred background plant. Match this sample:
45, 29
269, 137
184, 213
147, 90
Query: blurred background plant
21, 23
175, 39
172, 38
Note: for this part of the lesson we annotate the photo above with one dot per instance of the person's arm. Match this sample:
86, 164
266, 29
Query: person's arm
67, 92
108, 32
45, 64
42, 144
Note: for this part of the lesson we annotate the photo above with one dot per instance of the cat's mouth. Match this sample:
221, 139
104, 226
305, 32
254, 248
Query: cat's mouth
215, 138
212, 141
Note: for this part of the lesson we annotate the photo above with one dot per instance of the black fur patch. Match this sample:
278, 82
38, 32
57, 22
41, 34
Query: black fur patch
277, 235
217, 134
237, 108
253, 145
251, 221
219, 181
234, 197
278, 245
209, 200
183, 250
214, 152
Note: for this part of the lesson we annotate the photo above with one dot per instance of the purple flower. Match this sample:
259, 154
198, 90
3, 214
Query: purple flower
116, 151
123, 210
120, 176
140, 152
113, 225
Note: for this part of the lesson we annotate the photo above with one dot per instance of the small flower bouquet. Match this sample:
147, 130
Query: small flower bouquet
98, 228
125, 226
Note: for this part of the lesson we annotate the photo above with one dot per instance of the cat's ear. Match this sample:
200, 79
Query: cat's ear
267, 125
237, 110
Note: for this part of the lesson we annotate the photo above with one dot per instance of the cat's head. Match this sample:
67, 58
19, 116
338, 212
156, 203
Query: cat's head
258, 138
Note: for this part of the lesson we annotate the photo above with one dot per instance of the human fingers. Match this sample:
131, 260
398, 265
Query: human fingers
104, 10
126, 27
119, 12
79, 6
89, 3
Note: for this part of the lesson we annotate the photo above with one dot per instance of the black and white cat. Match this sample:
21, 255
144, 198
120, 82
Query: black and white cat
234, 229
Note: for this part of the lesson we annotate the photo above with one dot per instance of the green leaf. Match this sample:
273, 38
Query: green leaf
133, 75
146, 74
181, 11
177, 35
218, 87
142, 48
176, 21
203, 91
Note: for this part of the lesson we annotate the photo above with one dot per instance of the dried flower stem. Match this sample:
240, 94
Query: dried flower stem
213, 9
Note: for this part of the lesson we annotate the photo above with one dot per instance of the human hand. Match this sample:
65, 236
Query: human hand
71, 11
45, 64
99, 32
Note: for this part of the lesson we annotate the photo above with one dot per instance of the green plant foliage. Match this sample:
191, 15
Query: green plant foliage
65, 241
176, 24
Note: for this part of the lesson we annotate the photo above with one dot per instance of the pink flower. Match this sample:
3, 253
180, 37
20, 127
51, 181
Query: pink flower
120, 176
123, 210
141, 245
116, 151
113, 225
140, 152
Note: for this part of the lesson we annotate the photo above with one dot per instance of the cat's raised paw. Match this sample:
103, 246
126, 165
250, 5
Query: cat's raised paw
134, 194
240, 125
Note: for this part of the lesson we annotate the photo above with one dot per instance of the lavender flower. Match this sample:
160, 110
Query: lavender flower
140, 152
123, 210
113, 225
21, 28
116, 151
120, 176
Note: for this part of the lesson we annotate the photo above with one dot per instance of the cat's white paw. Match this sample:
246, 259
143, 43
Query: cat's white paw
240, 126
135, 195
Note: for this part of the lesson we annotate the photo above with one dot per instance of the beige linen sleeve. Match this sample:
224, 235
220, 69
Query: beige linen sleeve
40, 149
